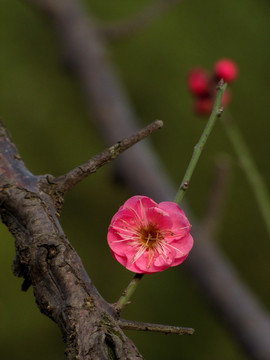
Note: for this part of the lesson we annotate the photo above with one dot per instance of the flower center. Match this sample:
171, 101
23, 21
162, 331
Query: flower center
150, 236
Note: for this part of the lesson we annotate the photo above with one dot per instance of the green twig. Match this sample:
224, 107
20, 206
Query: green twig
248, 165
128, 292
216, 112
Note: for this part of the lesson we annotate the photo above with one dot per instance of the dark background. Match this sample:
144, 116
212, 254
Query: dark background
44, 110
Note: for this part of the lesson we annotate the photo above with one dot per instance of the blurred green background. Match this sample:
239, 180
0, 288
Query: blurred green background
45, 112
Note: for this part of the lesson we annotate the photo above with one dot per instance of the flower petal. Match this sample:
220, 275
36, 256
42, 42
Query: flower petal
184, 245
159, 217
139, 205
180, 223
145, 264
126, 219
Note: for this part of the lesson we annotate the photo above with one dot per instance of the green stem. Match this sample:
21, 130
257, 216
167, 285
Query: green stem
216, 112
248, 165
128, 292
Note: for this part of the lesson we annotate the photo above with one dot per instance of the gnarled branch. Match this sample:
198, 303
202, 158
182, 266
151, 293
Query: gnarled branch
47, 261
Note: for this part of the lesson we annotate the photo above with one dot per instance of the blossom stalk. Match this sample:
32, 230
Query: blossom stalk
128, 292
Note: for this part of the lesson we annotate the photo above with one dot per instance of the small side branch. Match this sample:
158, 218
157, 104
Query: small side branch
126, 28
166, 329
67, 182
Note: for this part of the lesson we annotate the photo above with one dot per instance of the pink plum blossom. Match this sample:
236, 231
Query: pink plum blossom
147, 237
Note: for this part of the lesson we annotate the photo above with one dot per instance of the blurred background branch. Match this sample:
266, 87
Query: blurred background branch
130, 27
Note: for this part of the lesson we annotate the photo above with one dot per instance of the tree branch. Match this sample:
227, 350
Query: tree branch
44, 258
66, 182
130, 27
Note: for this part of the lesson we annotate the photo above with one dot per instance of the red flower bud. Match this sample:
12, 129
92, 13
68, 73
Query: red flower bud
203, 105
226, 69
198, 82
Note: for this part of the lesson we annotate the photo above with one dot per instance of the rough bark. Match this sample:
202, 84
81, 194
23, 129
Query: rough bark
30, 206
